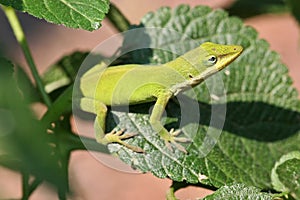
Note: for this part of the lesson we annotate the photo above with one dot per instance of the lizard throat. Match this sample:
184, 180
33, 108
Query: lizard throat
192, 81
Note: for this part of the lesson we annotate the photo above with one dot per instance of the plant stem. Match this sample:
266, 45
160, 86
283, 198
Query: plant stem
35, 183
64, 162
19, 34
85, 143
171, 194
117, 18
25, 185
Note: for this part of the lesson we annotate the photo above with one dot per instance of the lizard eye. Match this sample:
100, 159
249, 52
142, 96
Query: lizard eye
212, 60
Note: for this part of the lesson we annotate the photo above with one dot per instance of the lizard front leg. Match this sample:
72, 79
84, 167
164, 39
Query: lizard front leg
158, 109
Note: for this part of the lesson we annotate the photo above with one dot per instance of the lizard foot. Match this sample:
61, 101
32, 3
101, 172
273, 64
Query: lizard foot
117, 137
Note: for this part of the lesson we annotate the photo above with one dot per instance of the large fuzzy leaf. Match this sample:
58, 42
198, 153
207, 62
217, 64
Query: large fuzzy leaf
262, 108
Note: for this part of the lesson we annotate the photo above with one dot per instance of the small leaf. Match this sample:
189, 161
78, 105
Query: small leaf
83, 14
238, 192
286, 174
63, 72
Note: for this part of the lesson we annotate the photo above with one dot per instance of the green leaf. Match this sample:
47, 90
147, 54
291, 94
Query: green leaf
238, 192
11, 162
62, 105
83, 14
6, 69
249, 8
24, 142
262, 110
63, 73
286, 174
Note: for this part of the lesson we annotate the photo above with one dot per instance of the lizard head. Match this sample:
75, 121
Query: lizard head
219, 56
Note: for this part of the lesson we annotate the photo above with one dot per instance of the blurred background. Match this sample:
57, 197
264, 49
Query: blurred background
50, 42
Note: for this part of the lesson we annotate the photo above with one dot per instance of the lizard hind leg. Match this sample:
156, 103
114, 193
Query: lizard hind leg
115, 136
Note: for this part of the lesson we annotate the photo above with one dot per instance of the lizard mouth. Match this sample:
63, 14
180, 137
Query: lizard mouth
228, 58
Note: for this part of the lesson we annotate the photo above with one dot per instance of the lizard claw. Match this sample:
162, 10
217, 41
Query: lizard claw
170, 138
178, 139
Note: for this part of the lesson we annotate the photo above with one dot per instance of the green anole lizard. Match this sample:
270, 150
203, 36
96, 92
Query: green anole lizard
135, 84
